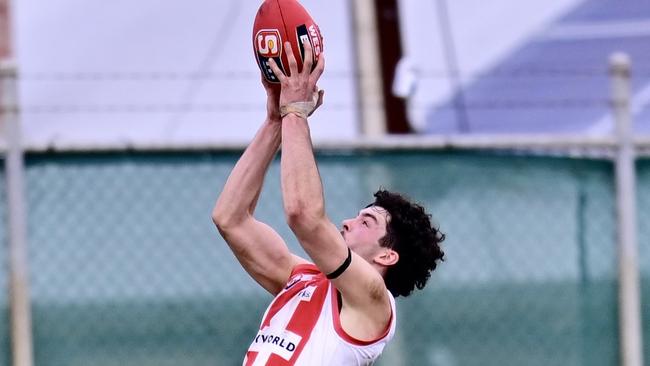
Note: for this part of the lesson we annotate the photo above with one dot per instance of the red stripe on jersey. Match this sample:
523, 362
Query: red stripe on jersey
280, 301
306, 268
250, 358
304, 320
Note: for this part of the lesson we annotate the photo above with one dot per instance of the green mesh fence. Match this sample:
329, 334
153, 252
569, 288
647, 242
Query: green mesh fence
127, 268
530, 273
643, 188
5, 346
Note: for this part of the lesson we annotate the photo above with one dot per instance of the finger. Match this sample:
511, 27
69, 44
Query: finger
318, 71
276, 70
309, 58
293, 64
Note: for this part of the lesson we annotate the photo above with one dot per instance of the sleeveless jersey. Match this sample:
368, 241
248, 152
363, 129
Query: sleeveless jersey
301, 327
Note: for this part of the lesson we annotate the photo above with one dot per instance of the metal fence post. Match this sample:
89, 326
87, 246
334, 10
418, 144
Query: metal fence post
629, 293
21, 325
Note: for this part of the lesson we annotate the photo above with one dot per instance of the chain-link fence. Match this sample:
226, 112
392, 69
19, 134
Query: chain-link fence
643, 169
530, 273
5, 345
127, 268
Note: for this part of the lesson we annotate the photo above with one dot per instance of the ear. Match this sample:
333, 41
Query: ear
387, 257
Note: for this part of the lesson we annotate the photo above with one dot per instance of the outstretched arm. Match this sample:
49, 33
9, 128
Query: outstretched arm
260, 250
363, 290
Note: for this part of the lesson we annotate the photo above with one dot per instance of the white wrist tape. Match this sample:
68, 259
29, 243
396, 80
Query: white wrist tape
301, 109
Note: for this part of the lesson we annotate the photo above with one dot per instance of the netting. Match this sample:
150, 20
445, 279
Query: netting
128, 269
643, 192
5, 346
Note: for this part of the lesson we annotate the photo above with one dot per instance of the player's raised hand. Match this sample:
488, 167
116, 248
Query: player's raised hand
297, 87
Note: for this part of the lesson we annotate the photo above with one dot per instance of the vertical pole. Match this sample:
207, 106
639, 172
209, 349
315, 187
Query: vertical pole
390, 51
19, 302
629, 293
5, 42
369, 81
21, 325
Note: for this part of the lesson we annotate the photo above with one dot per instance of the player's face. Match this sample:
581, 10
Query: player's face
362, 233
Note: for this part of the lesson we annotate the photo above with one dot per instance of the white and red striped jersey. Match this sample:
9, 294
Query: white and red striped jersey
302, 327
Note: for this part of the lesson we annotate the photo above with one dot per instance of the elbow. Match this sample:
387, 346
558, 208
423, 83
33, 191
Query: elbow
224, 220
302, 219
219, 218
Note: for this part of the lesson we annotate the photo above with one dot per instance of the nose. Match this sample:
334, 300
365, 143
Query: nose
346, 225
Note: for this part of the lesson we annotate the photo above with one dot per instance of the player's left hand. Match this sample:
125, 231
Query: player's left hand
300, 86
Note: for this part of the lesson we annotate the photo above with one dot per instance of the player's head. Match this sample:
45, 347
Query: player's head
409, 232
364, 233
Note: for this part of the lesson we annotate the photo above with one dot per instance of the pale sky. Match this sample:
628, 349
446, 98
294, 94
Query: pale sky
119, 72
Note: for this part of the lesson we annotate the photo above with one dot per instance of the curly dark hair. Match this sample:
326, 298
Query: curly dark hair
410, 233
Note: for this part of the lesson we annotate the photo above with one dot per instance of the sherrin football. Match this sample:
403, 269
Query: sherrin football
280, 21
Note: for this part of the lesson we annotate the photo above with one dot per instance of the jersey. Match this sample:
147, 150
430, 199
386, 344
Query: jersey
301, 327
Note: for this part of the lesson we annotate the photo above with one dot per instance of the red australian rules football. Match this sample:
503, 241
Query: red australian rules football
280, 21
